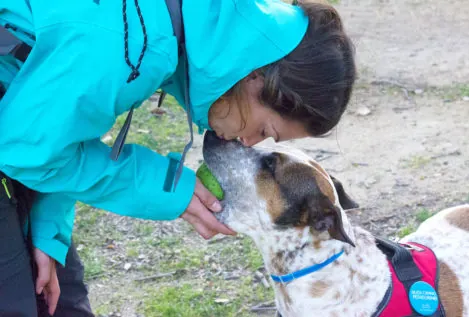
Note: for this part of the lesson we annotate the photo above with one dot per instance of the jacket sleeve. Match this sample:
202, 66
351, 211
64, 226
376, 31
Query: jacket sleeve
52, 218
64, 98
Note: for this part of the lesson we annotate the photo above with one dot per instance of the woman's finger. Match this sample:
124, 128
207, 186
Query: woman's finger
43, 268
206, 197
209, 220
198, 226
206, 218
53, 290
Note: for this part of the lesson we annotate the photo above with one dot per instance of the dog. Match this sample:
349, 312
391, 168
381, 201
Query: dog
295, 213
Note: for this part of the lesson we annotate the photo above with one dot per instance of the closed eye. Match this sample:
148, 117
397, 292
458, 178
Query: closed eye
269, 162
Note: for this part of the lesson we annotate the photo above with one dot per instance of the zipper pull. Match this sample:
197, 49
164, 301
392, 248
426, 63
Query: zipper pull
4, 182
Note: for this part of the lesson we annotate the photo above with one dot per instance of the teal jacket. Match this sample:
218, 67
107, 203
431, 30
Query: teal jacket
73, 85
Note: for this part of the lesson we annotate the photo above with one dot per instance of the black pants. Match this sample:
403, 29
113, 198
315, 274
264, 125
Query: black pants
17, 295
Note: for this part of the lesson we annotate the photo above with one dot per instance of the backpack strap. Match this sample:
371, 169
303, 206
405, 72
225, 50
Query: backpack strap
11, 45
175, 12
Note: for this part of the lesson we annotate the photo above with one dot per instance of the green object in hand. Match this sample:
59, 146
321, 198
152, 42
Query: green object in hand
209, 181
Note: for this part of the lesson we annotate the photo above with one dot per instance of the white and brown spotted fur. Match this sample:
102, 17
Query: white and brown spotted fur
294, 211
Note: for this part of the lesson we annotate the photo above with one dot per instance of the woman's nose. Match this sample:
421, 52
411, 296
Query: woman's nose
250, 141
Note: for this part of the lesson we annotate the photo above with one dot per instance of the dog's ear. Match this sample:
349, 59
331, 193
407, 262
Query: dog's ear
317, 211
323, 215
344, 199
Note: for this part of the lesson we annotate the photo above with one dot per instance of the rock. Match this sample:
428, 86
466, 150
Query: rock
465, 98
80, 247
222, 300
230, 276
363, 111
106, 139
418, 91
143, 131
259, 275
265, 283
157, 111
370, 181
127, 266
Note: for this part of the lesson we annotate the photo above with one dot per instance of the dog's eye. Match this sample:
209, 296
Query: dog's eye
269, 162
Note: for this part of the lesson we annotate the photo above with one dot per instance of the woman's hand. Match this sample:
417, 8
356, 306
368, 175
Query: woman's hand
47, 279
199, 213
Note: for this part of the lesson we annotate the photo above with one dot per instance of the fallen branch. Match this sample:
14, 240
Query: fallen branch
154, 277
264, 307
213, 241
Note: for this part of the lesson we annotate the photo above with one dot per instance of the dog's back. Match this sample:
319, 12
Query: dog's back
447, 234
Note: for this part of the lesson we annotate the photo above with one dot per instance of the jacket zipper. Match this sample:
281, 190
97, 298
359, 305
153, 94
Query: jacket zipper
4, 182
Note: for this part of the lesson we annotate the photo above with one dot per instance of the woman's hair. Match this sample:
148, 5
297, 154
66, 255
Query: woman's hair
313, 83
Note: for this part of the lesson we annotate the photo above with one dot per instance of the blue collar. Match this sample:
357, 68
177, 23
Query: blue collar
295, 275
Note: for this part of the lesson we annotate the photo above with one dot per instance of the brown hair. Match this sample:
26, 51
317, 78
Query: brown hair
313, 83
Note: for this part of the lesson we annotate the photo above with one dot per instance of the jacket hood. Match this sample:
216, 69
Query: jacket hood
227, 39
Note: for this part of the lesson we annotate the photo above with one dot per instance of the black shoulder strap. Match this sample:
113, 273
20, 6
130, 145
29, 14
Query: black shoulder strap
175, 12
10, 44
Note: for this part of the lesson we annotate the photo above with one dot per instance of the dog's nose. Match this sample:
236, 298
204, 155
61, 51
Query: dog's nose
211, 139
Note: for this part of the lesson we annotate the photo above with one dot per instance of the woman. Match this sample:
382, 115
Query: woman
256, 69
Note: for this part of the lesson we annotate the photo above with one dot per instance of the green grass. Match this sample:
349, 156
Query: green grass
185, 301
464, 90
165, 133
93, 263
454, 92
417, 162
423, 214
208, 300
420, 216
406, 231
144, 229
251, 254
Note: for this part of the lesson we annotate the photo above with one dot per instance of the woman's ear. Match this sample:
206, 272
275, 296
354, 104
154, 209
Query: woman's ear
254, 75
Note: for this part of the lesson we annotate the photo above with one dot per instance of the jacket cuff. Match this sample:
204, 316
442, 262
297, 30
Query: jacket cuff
54, 248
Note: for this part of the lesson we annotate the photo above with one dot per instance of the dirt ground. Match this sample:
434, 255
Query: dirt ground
403, 144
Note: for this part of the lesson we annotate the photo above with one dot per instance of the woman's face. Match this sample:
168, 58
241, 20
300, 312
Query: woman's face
260, 122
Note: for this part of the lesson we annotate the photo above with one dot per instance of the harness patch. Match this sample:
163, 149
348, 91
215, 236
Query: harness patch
423, 298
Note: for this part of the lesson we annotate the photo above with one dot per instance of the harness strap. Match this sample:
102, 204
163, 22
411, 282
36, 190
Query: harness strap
406, 270
401, 258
